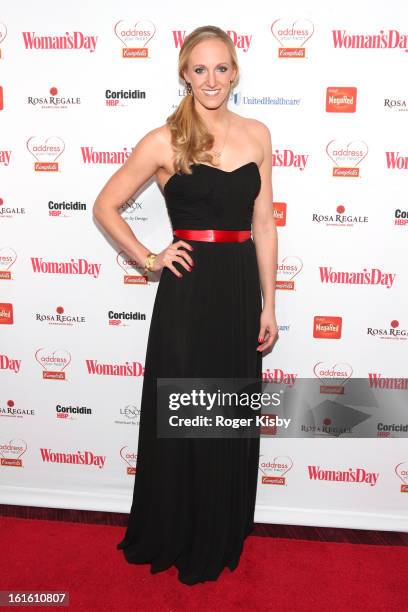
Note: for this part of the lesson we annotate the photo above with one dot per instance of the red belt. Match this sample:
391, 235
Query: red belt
211, 235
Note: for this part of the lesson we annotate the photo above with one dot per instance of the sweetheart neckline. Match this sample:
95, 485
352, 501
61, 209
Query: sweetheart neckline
214, 168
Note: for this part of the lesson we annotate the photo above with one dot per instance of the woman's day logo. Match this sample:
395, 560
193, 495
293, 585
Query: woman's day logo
135, 36
53, 362
290, 267
8, 257
292, 36
46, 151
274, 470
11, 452
346, 156
130, 458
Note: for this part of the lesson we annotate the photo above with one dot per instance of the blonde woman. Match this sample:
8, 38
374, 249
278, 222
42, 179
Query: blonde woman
214, 311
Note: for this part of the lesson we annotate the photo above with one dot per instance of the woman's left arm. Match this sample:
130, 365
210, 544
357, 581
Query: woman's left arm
265, 238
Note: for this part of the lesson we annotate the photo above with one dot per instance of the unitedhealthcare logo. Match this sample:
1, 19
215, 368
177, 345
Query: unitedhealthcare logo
238, 98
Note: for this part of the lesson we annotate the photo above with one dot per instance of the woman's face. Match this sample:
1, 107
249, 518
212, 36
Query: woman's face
210, 71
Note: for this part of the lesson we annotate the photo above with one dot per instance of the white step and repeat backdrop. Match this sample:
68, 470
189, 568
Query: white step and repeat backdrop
80, 84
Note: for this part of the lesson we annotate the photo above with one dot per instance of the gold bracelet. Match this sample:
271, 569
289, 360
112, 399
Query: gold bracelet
149, 261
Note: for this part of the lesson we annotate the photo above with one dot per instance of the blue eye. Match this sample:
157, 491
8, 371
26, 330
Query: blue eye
197, 70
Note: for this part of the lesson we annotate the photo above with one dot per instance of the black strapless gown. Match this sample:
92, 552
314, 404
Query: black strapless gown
194, 499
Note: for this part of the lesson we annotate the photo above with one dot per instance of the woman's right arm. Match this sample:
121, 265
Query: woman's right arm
144, 161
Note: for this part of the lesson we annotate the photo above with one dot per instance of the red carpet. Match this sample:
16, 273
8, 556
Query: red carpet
274, 573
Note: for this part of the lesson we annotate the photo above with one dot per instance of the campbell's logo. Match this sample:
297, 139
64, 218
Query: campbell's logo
279, 213
73, 458
241, 40
53, 100
80, 267
69, 41
333, 376
378, 381
3, 34
279, 376
384, 39
328, 327
59, 317
5, 155
289, 267
9, 363
401, 471
134, 274
350, 475
392, 332
46, 151
289, 159
341, 99
8, 258
292, 35
135, 36
130, 458
6, 314
90, 156
53, 362
134, 368
274, 470
340, 218
346, 157
11, 452
396, 161
373, 276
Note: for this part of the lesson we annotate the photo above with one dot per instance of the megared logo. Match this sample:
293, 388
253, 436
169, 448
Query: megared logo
396, 161
10, 364
8, 257
241, 41
290, 267
292, 36
79, 267
333, 376
346, 157
377, 381
135, 36
46, 150
130, 458
289, 159
328, 327
11, 452
401, 471
279, 213
341, 99
133, 368
274, 470
134, 274
6, 314
73, 458
5, 155
392, 332
53, 362
373, 276
65, 42
350, 475
385, 39
90, 156
339, 219
3, 34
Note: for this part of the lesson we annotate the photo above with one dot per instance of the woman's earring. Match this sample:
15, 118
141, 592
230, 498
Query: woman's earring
189, 89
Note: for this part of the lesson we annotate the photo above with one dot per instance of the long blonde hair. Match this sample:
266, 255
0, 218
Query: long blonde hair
190, 137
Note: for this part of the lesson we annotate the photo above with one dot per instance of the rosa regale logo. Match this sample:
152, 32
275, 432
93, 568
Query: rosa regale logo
11, 452
346, 156
130, 458
46, 151
53, 362
8, 257
274, 470
292, 36
131, 268
289, 267
135, 36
